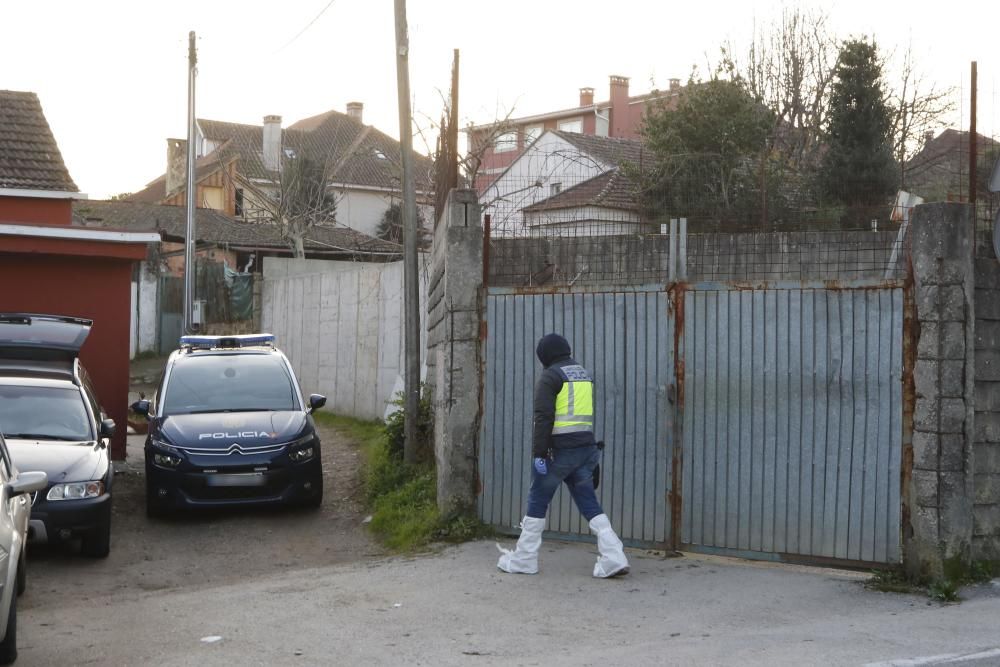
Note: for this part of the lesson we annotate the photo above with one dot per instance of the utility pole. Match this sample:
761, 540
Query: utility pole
189, 267
411, 285
453, 128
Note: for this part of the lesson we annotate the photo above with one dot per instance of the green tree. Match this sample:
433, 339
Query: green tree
390, 228
858, 169
706, 154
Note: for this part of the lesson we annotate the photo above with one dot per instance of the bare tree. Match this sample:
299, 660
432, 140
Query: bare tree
294, 199
918, 106
788, 68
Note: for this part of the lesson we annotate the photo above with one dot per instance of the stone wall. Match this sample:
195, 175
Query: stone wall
986, 447
940, 526
454, 359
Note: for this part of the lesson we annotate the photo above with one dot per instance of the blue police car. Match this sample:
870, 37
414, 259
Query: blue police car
229, 426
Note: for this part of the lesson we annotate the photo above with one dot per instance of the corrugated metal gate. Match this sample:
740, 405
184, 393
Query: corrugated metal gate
793, 422
790, 415
626, 339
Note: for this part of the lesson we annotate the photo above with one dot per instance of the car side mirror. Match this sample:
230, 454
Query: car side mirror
141, 407
316, 401
108, 428
27, 482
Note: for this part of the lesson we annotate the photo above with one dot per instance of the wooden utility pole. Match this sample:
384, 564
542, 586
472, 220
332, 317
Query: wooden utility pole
453, 128
411, 279
189, 255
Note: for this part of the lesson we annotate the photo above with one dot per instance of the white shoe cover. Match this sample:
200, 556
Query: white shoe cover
524, 558
612, 559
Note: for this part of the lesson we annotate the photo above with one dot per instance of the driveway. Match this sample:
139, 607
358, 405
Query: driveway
455, 608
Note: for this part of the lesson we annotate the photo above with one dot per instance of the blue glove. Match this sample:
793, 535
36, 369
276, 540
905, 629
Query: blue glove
540, 466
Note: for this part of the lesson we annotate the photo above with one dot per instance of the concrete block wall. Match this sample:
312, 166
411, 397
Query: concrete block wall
454, 356
940, 494
986, 445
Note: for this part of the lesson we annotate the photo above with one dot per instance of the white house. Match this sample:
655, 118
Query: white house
525, 198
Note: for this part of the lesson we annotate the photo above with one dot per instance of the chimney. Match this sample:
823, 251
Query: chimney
675, 85
271, 148
928, 137
618, 125
355, 110
586, 97
176, 165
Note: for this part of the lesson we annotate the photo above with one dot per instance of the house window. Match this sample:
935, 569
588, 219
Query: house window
555, 188
575, 125
239, 202
531, 133
505, 142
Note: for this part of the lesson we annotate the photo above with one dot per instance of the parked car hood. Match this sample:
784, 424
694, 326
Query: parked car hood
223, 429
61, 461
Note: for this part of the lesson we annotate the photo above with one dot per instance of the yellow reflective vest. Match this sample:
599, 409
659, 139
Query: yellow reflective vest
575, 402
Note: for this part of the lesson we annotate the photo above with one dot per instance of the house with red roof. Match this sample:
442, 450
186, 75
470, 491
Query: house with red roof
48, 264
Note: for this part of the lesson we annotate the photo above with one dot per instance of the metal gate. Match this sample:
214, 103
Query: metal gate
626, 339
793, 422
786, 437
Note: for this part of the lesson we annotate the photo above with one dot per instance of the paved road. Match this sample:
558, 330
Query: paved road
455, 608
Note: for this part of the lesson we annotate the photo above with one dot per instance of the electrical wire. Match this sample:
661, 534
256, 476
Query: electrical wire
308, 25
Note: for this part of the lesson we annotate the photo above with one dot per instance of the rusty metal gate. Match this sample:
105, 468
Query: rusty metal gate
626, 339
793, 422
783, 437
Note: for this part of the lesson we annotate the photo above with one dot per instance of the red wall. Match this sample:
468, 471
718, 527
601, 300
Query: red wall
92, 287
36, 211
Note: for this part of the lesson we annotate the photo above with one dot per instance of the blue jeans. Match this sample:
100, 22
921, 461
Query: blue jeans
575, 467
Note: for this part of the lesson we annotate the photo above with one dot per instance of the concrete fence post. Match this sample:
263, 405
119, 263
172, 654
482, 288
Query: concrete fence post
940, 496
454, 352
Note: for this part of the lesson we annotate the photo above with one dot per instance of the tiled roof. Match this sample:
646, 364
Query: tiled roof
612, 189
29, 156
356, 154
612, 151
213, 227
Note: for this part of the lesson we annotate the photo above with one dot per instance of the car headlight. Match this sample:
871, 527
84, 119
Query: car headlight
166, 460
76, 491
165, 446
302, 449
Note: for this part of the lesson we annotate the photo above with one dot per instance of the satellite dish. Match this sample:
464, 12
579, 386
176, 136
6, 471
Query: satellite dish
995, 178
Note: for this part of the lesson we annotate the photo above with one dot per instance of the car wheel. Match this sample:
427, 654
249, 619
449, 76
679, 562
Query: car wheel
8, 647
154, 510
316, 500
22, 572
97, 544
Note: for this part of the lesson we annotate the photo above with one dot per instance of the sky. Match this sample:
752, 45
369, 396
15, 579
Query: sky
112, 74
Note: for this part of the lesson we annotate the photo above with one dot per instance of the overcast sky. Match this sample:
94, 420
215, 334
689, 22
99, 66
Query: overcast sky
112, 75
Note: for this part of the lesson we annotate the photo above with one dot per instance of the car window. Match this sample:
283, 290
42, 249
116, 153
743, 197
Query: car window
228, 383
91, 395
44, 413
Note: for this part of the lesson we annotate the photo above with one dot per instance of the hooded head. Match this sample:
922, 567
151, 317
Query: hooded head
552, 348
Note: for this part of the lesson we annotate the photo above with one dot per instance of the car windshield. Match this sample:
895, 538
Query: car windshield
228, 383
44, 413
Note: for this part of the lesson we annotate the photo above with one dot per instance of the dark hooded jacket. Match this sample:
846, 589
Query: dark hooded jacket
553, 352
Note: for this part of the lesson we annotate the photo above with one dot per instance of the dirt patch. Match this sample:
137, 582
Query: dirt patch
197, 550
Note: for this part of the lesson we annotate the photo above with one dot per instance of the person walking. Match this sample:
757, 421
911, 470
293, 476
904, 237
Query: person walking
563, 450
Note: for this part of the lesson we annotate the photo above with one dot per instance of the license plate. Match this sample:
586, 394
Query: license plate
244, 479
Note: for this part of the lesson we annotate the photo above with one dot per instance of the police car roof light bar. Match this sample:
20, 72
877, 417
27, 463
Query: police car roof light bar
227, 342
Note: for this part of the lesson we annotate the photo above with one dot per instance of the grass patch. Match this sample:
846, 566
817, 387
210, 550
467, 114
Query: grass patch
890, 581
945, 589
402, 498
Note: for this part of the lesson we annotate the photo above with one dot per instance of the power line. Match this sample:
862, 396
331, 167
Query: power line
308, 25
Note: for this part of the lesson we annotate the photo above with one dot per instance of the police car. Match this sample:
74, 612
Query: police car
229, 426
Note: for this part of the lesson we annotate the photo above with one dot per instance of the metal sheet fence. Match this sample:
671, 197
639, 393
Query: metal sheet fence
792, 422
625, 338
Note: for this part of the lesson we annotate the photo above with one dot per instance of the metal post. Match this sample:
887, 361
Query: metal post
189, 259
411, 287
973, 158
672, 265
682, 249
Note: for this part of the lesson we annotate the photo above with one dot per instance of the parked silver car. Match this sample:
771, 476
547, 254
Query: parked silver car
15, 507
